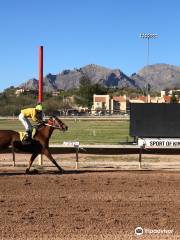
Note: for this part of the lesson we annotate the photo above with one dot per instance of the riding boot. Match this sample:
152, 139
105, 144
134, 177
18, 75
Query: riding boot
28, 139
29, 133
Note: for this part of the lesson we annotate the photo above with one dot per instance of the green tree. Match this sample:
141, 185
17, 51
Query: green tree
84, 95
173, 98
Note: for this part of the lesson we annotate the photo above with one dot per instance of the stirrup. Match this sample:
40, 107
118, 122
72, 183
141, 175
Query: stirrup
27, 140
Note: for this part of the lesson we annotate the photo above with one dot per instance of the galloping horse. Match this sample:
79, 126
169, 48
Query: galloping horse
40, 142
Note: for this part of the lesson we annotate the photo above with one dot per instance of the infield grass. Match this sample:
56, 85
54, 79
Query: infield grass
88, 131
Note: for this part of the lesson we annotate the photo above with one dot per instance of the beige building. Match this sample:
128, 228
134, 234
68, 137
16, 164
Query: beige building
149, 99
166, 95
19, 91
119, 104
101, 103
139, 99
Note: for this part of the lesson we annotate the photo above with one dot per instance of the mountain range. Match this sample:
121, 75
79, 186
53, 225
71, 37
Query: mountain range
159, 76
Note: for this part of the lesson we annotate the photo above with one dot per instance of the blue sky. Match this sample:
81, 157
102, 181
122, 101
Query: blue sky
75, 33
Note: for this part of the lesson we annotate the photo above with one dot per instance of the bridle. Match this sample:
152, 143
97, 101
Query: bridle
55, 124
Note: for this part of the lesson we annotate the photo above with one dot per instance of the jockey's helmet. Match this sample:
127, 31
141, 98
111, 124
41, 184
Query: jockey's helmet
38, 107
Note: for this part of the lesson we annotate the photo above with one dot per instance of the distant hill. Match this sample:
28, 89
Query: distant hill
69, 79
159, 76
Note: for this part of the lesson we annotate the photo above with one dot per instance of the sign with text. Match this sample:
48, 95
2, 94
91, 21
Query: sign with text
159, 142
71, 144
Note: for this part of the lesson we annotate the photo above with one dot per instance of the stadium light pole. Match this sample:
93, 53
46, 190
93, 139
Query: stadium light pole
148, 36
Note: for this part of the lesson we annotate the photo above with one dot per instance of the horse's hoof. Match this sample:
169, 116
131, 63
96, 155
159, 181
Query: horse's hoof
27, 171
61, 170
35, 171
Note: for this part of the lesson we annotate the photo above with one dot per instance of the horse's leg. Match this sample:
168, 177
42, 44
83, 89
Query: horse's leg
13, 154
49, 156
33, 156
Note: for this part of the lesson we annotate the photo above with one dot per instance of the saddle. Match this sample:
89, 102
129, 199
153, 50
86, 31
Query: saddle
23, 135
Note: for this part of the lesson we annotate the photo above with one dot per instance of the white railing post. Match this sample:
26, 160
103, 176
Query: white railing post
40, 159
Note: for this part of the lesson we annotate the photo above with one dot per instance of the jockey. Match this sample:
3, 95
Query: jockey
35, 114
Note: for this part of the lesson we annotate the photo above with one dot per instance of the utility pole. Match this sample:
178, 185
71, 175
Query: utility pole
148, 36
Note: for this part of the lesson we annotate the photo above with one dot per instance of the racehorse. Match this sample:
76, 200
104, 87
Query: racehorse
39, 144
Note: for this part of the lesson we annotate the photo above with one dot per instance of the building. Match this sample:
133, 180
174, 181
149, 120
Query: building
168, 94
104, 104
167, 99
101, 104
19, 91
139, 99
119, 104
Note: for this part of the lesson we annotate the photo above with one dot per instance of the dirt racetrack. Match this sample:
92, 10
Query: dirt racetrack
89, 204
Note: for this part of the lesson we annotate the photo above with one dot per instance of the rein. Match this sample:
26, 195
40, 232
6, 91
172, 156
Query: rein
54, 125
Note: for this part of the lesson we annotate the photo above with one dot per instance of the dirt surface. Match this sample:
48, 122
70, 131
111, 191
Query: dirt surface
89, 204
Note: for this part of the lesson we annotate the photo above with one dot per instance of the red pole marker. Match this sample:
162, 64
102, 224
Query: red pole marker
40, 82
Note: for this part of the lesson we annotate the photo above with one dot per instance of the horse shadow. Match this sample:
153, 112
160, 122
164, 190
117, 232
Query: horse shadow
70, 172
33, 147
